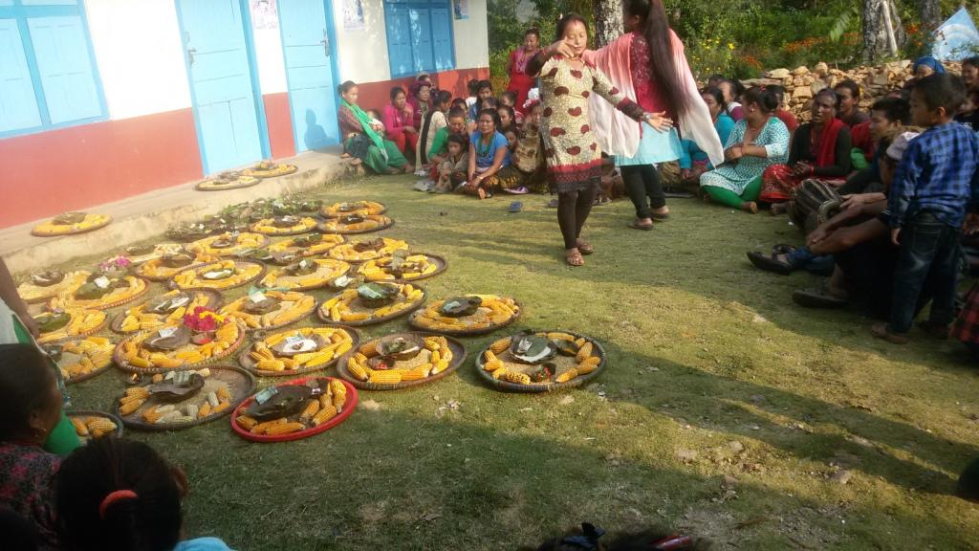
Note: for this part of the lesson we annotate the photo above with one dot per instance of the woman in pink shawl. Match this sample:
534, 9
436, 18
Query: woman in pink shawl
647, 63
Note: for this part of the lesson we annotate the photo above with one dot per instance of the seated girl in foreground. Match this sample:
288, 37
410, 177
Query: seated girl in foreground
116, 494
452, 169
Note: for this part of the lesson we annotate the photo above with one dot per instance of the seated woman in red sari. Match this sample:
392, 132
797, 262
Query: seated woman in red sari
399, 123
820, 150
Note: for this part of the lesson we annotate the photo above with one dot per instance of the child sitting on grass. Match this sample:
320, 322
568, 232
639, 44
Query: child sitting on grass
120, 495
528, 155
452, 169
439, 150
934, 184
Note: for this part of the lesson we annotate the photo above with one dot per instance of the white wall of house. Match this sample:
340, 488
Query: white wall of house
271, 62
139, 56
364, 52
472, 37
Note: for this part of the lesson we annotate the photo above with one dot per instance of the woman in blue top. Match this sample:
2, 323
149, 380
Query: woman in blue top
693, 161
490, 168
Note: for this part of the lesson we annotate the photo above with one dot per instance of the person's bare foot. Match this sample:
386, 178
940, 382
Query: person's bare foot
345, 155
573, 257
407, 168
584, 247
353, 161
881, 331
750, 206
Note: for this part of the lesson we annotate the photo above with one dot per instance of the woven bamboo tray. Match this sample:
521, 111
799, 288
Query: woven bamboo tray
348, 409
507, 386
246, 361
118, 433
215, 301
458, 358
325, 317
441, 263
120, 360
468, 332
385, 223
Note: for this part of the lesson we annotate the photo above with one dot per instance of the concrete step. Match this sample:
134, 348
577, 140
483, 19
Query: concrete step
140, 217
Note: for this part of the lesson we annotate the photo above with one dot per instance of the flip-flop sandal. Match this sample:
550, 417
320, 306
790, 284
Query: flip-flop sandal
656, 217
576, 262
678, 195
782, 248
515, 207
818, 298
769, 264
881, 332
585, 248
517, 191
602, 201
637, 226
422, 186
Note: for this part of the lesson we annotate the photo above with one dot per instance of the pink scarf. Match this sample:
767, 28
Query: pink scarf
620, 135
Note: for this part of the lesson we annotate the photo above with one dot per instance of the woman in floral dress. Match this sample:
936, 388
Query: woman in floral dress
573, 158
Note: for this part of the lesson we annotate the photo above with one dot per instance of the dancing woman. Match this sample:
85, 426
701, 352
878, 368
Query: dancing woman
648, 65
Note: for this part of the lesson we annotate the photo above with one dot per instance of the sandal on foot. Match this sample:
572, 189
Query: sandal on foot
573, 257
659, 217
636, 225
817, 298
770, 263
882, 332
585, 248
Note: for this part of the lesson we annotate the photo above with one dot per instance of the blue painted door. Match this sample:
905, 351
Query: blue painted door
219, 63
306, 28
18, 104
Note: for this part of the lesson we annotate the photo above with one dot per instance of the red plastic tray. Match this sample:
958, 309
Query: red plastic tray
348, 409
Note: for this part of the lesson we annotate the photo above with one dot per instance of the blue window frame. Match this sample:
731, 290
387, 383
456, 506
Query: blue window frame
419, 34
48, 77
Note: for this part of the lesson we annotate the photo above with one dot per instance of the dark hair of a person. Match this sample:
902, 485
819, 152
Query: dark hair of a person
395, 91
456, 113
717, 77
512, 113
563, 23
347, 86
942, 90
492, 113
532, 31
779, 92
850, 85
718, 96
738, 88
473, 86
656, 29
885, 142
764, 98
442, 97
973, 61
484, 84
509, 94
25, 388
148, 522
460, 139
894, 109
458, 103
489, 103
832, 94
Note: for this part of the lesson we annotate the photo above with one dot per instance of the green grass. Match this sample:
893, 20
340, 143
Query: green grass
704, 351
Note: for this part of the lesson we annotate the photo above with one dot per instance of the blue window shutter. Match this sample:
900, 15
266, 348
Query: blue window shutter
421, 31
65, 67
399, 40
442, 39
18, 104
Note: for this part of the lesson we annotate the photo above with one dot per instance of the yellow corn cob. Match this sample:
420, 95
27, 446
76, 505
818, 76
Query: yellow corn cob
500, 346
130, 407
246, 422
271, 365
489, 357
357, 370
441, 366
324, 415
417, 373
138, 391
566, 376
311, 409
584, 352
514, 377
222, 393
220, 407
320, 360
436, 357
354, 316
560, 337
344, 347
204, 410
262, 427
589, 365
152, 415
101, 424
337, 387
102, 341
141, 363
80, 427
369, 349
493, 365
385, 377
285, 428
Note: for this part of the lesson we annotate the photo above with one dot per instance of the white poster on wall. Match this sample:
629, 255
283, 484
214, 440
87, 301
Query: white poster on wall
353, 15
264, 14
461, 9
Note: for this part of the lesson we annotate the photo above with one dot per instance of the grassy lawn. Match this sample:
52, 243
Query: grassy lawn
726, 410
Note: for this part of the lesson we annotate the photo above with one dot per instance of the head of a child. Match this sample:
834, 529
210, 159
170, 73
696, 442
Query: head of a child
488, 103
971, 102
115, 494
508, 98
30, 401
458, 103
511, 138
849, 93
398, 97
573, 29
485, 90
936, 98
927, 66
825, 106
457, 121
349, 92
374, 113
473, 87
732, 90
531, 39
506, 116
533, 115
887, 114
443, 100
488, 121
456, 144
970, 72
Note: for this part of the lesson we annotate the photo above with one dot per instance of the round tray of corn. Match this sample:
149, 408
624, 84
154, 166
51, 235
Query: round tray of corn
284, 225
440, 357
349, 224
81, 323
228, 244
91, 424
224, 387
298, 351
41, 287
162, 269
362, 208
270, 310
269, 169
412, 267
334, 402
305, 275
228, 180
226, 274
167, 308
118, 291
494, 313
348, 308
80, 359
130, 354
362, 251
314, 244
85, 223
575, 363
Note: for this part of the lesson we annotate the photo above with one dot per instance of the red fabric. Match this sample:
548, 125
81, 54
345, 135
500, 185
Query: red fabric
640, 67
396, 121
826, 148
788, 119
862, 139
520, 83
406, 143
26, 475
778, 184
966, 327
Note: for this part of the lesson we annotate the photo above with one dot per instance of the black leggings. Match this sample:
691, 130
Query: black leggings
573, 208
642, 181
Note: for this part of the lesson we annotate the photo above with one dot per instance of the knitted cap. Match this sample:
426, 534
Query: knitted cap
900, 145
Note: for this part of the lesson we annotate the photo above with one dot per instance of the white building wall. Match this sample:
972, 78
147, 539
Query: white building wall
139, 55
364, 52
268, 54
472, 37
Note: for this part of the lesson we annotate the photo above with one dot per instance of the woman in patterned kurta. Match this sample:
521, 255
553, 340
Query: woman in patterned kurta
574, 160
